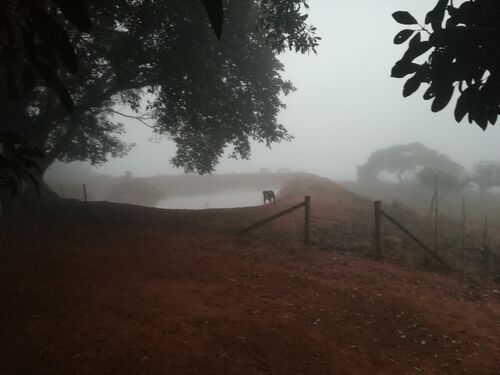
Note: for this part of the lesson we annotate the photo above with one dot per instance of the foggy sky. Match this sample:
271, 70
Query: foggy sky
346, 104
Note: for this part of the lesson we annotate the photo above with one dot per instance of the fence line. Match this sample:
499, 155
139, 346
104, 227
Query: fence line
80, 189
379, 213
307, 219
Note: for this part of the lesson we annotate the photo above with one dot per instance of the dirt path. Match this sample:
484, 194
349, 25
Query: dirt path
127, 290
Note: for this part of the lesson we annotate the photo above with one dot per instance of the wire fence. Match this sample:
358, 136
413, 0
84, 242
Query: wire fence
475, 248
74, 191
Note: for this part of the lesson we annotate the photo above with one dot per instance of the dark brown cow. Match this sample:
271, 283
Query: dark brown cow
269, 196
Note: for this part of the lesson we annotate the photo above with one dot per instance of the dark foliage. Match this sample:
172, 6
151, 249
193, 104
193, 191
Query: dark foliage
35, 44
18, 162
35, 41
447, 181
456, 50
203, 94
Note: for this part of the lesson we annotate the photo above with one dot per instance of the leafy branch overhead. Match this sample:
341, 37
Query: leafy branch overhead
455, 51
37, 40
34, 42
207, 91
17, 162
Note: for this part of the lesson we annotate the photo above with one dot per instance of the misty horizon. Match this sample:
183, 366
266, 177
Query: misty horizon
346, 105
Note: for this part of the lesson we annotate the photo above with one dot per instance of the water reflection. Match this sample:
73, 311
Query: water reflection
225, 199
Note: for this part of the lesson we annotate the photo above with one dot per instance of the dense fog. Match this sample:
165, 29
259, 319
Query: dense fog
345, 108
346, 105
249, 187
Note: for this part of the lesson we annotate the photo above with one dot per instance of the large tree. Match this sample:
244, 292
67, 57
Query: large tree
405, 161
162, 57
455, 51
33, 44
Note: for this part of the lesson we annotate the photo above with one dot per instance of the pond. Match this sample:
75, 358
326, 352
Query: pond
223, 199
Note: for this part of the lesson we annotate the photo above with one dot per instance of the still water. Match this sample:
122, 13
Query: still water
225, 199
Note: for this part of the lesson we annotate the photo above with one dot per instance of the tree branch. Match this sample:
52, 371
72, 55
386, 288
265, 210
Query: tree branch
138, 118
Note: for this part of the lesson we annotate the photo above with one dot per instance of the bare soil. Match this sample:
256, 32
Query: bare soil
116, 289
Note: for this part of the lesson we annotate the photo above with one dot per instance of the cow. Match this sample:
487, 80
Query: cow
269, 196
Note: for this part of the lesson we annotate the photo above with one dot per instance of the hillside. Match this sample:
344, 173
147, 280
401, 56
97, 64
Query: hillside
111, 288
148, 191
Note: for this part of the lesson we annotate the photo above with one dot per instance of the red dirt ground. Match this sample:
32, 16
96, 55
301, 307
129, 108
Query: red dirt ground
116, 289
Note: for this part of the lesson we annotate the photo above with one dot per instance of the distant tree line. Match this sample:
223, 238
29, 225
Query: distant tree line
414, 162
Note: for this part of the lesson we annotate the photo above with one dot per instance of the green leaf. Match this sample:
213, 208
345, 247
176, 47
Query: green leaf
443, 98
416, 49
403, 36
429, 93
215, 15
403, 68
463, 103
436, 15
481, 118
415, 40
404, 18
492, 116
411, 85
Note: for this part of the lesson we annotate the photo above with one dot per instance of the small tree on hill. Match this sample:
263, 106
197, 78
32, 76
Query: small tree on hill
403, 160
486, 174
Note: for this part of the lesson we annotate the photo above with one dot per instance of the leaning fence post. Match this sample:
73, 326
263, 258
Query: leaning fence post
307, 219
436, 212
85, 193
378, 229
463, 236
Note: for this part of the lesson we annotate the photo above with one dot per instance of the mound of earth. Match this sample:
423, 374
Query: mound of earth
115, 289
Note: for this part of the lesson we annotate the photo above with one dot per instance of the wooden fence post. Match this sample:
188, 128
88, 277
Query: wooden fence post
485, 234
271, 218
463, 237
463, 222
85, 193
436, 212
307, 219
378, 229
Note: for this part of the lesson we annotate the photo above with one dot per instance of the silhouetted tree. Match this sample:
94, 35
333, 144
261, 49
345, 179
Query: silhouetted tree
34, 47
203, 94
404, 159
456, 50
